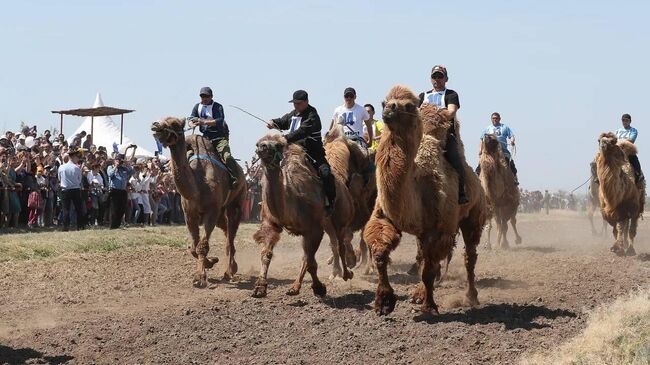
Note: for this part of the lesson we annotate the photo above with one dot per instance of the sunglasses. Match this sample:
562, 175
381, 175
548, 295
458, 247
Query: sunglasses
437, 76
205, 96
349, 96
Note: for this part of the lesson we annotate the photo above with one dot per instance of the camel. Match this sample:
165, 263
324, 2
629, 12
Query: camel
349, 162
292, 199
621, 199
206, 198
417, 194
501, 193
593, 202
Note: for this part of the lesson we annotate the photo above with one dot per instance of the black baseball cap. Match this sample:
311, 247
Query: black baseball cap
349, 91
439, 69
299, 95
205, 91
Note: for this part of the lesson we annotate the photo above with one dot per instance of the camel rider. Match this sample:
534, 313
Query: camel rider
630, 133
304, 128
447, 98
209, 117
504, 135
352, 117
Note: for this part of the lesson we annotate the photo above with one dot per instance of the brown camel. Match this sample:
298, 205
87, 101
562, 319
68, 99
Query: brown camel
621, 200
417, 194
349, 163
593, 202
292, 199
205, 194
501, 193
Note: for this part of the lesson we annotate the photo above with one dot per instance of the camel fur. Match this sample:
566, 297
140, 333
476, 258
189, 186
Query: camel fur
501, 193
621, 199
205, 194
349, 161
417, 194
292, 199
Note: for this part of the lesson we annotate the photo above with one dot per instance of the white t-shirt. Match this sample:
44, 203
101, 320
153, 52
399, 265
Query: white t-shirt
435, 97
352, 119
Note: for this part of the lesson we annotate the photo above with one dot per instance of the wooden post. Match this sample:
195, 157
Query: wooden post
121, 127
61, 125
92, 125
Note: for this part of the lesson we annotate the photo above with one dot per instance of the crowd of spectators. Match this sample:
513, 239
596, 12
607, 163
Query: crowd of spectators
31, 194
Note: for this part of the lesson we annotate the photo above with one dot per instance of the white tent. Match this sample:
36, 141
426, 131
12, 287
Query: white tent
106, 133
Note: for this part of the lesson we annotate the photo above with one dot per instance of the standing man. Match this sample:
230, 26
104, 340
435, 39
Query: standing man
304, 128
118, 176
630, 133
546, 201
209, 117
377, 126
70, 180
448, 99
352, 117
504, 136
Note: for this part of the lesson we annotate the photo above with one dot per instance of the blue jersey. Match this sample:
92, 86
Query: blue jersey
502, 132
629, 134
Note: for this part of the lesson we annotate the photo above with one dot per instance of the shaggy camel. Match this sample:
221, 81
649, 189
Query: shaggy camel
417, 194
205, 194
593, 202
621, 200
501, 193
292, 199
349, 162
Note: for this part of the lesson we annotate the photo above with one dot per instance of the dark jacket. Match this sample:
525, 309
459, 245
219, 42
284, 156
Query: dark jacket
307, 134
213, 131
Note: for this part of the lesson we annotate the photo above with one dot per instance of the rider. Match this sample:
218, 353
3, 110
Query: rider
447, 98
630, 133
352, 117
209, 117
304, 128
504, 135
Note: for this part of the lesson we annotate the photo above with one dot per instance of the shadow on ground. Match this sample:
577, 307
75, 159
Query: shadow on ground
540, 249
501, 283
13, 356
512, 316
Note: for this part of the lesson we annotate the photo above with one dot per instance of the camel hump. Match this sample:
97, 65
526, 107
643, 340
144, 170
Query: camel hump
335, 132
628, 147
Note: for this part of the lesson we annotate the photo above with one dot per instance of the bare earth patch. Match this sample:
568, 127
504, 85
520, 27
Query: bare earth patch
133, 302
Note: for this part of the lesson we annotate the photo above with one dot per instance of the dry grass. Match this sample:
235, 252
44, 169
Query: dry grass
49, 244
618, 333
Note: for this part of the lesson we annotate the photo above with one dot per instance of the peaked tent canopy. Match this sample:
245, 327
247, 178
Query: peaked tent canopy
105, 132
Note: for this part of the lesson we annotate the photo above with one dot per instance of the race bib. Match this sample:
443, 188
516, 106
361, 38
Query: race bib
295, 123
349, 120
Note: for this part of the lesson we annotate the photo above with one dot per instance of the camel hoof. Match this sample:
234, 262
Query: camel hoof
414, 270
618, 250
368, 270
351, 260
259, 291
192, 252
293, 291
348, 275
472, 298
429, 309
210, 262
418, 295
385, 303
319, 289
200, 281
518, 240
229, 276
630, 251
234, 268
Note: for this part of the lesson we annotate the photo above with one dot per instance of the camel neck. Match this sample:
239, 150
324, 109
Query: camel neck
183, 175
273, 190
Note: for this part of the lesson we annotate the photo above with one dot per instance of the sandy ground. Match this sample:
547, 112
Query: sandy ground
137, 306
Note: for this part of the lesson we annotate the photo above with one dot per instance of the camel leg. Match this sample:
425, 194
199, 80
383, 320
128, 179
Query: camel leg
430, 268
417, 265
342, 235
420, 292
366, 263
382, 238
233, 217
202, 249
350, 256
310, 244
513, 223
268, 235
502, 228
618, 248
489, 234
633, 226
472, 238
335, 260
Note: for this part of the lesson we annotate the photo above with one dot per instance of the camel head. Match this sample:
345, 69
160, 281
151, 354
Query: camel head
400, 110
490, 143
607, 143
270, 149
168, 130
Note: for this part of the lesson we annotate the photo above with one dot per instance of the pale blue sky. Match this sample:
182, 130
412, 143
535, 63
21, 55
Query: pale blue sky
559, 72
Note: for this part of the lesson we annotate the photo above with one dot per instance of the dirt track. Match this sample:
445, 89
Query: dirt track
137, 306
